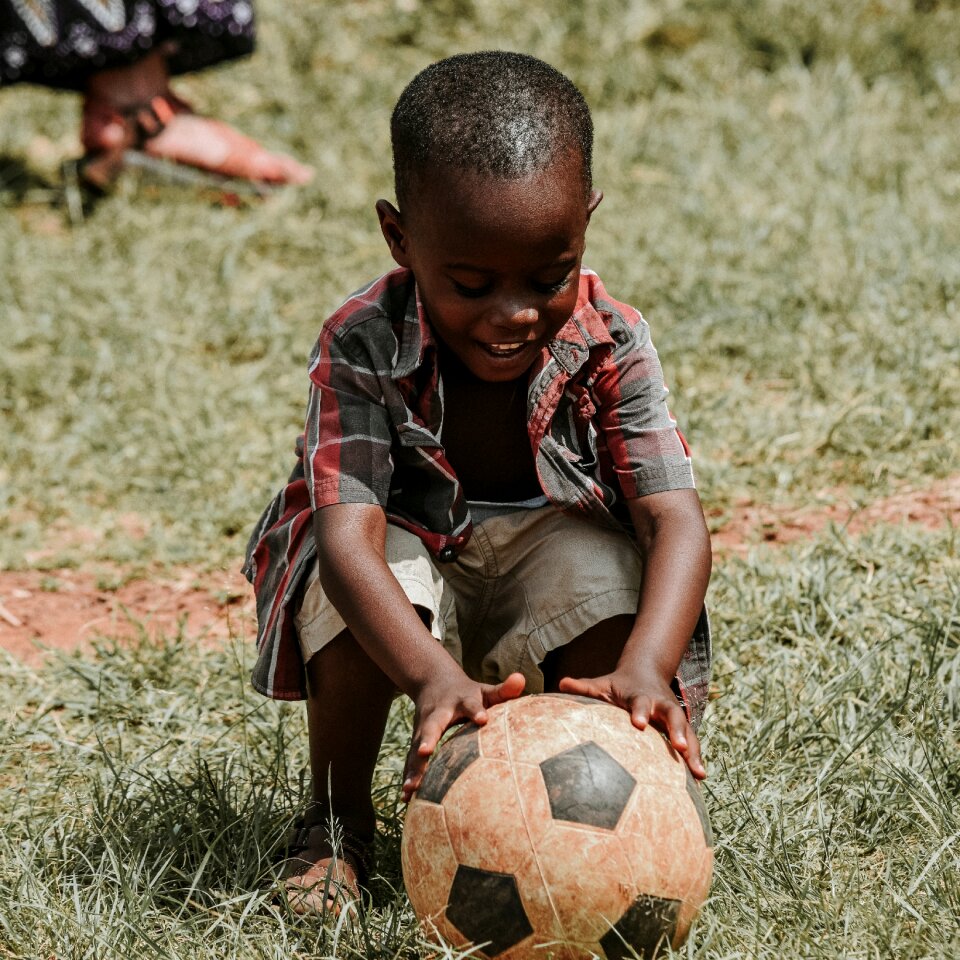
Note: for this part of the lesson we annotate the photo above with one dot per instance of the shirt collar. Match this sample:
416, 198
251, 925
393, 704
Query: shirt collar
416, 337
582, 332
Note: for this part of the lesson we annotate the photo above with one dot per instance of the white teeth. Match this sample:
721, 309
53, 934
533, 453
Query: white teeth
504, 347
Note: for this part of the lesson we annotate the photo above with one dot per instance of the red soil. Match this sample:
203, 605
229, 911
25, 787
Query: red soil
752, 523
66, 609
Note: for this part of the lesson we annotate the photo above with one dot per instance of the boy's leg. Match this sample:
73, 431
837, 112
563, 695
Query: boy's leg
547, 577
594, 653
348, 702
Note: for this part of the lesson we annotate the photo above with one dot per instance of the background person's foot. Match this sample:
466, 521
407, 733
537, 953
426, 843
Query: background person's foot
213, 145
133, 108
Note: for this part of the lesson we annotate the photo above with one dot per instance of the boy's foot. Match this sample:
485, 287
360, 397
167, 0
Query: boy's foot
321, 877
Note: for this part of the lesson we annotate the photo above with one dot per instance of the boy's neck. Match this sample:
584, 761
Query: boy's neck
485, 434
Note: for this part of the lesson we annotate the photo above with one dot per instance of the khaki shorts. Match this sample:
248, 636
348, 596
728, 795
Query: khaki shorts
526, 583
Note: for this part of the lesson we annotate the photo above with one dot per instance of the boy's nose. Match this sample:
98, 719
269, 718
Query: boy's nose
516, 317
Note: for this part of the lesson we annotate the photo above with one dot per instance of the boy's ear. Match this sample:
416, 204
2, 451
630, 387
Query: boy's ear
391, 227
593, 201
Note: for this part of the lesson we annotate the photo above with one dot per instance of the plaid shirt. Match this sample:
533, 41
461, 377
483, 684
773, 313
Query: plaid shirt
596, 414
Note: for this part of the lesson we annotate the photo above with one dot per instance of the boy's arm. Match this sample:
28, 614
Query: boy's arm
359, 583
673, 538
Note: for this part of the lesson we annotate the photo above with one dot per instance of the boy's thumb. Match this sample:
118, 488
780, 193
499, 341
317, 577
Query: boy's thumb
509, 689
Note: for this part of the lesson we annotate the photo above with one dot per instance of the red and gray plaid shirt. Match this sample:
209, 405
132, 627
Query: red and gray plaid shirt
598, 422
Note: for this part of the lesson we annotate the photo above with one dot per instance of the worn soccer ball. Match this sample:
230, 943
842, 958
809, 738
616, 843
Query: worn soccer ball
557, 830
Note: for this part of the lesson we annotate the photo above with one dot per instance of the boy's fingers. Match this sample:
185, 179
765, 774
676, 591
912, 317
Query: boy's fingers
694, 758
667, 715
684, 740
674, 722
472, 709
412, 775
422, 745
427, 735
583, 688
421, 749
640, 712
509, 689
430, 734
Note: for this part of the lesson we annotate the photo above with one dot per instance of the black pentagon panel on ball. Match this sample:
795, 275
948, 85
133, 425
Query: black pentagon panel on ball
486, 908
647, 926
586, 785
453, 757
697, 797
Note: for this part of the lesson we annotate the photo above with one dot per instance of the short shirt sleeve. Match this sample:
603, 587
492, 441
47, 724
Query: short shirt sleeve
347, 437
647, 451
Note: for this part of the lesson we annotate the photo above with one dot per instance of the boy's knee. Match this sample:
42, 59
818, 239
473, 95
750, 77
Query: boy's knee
343, 662
424, 614
593, 653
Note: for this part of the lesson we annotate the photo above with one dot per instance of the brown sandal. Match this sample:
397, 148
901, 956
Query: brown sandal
99, 168
325, 888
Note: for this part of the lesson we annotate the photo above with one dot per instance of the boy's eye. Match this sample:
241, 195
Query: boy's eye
465, 290
555, 287
474, 292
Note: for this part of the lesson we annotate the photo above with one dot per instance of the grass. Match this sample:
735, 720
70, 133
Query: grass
782, 201
158, 786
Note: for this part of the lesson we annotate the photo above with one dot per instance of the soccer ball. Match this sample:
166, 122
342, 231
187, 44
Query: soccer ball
557, 831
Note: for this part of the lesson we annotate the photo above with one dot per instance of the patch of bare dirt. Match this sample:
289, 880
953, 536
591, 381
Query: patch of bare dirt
66, 609
751, 523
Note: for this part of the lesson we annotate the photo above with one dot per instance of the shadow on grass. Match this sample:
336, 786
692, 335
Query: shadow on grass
210, 822
20, 183
217, 829
197, 840
23, 187
195, 854
195, 837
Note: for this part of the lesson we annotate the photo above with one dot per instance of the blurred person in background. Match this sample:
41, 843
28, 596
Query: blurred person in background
120, 55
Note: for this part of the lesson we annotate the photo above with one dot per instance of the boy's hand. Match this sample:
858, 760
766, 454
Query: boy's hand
647, 701
443, 703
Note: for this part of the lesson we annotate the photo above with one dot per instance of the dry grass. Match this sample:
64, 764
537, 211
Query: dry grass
782, 201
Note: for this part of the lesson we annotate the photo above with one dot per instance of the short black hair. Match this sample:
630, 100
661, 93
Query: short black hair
493, 112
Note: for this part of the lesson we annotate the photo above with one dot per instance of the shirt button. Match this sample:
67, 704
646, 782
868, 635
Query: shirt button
447, 554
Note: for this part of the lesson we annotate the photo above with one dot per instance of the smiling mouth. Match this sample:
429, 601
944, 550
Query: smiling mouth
506, 349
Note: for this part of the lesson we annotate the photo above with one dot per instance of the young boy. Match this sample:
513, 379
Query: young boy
491, 497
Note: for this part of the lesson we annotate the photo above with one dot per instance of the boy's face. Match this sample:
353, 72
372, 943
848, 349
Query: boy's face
497, 261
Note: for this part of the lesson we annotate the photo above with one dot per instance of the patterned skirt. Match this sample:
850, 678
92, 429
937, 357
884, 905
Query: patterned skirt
59, 43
